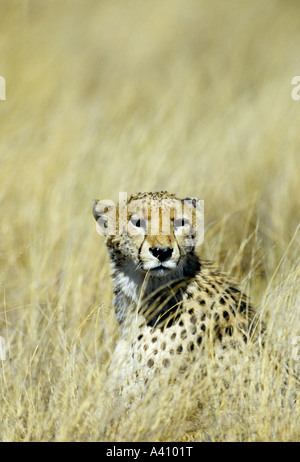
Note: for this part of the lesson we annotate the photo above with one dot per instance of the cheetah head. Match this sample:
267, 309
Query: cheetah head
154, 232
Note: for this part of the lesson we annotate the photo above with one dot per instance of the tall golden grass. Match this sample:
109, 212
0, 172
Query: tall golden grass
188, 96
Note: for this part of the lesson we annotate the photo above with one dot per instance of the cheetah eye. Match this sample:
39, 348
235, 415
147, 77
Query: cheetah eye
138, 222
180, 222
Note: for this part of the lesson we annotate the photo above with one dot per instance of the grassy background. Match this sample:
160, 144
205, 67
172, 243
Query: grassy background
189, 96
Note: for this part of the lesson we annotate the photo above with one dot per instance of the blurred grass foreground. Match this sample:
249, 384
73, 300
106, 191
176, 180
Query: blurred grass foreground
189, 96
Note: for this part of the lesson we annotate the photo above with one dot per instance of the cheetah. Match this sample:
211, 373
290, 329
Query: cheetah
169, 303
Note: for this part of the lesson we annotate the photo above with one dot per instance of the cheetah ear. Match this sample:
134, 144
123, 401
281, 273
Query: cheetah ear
97, 209
197, 218
105, 215
192, 200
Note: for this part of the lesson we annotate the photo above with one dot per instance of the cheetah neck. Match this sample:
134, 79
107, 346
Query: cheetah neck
133, 288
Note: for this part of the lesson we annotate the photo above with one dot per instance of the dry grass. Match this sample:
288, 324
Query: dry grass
188, 96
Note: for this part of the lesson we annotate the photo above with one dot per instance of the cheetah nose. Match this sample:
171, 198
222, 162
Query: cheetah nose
162, 254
